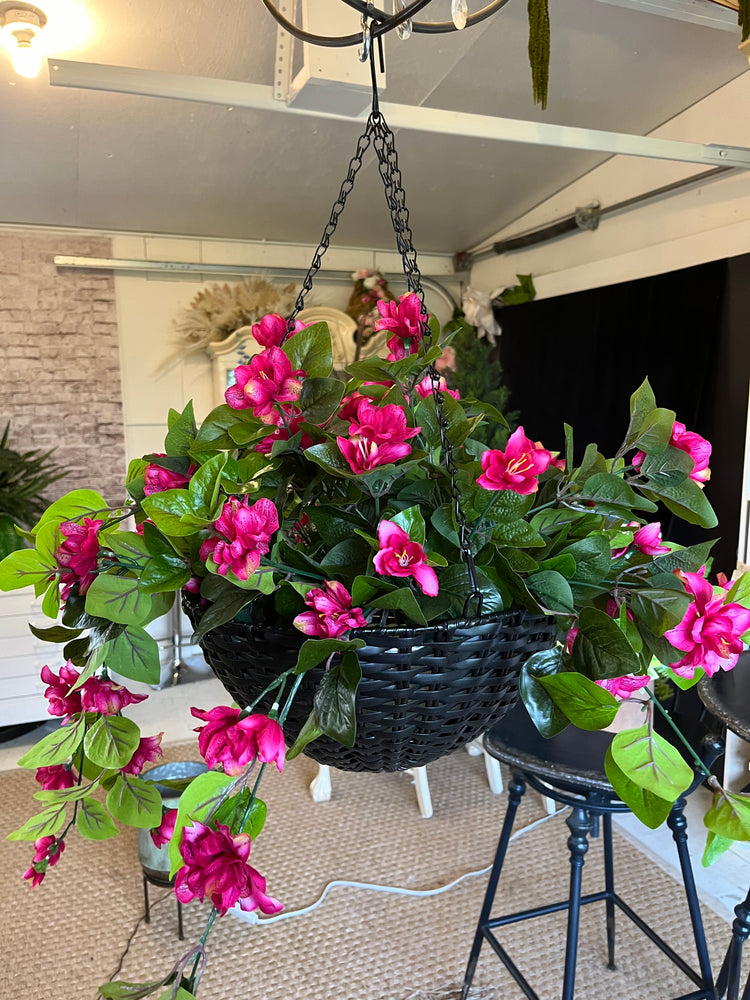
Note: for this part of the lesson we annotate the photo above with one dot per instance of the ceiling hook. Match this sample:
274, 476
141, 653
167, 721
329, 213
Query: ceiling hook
364, 50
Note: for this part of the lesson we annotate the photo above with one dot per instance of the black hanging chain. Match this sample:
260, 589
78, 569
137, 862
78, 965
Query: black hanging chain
378, 134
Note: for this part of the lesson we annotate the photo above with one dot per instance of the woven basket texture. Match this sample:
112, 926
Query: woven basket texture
424, 691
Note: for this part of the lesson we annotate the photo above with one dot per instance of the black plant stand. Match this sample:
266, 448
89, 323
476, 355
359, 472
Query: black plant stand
570, 769
162, 883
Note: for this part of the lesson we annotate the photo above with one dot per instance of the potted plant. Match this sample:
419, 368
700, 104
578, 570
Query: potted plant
323, 533
24, 476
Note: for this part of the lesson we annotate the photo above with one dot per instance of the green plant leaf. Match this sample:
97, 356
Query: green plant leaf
121, 990
226, 607
655, 431
729, 815
56, 633
401, 599
24, 568
310, 731
687, 500
164, 573
202, 795
118, 599
650, 762
659, 609
168, 510
111, 741
583, 702
552, 590
689, 559
309, 350
93, 822
650, 809
593, 558
335, 700
642, 404
73, 794
182, 431
545, 714
44, 824
320, 398
134, 654
608, 490
600, 650
255, 819
135, 802
412, 522
56, 747
76, 504
716, 845
315, 651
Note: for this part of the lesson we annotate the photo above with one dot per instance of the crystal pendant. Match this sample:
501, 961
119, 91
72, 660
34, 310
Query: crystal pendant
403, 30
459, 13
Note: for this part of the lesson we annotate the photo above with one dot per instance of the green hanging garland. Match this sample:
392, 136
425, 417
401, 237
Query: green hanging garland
539, 48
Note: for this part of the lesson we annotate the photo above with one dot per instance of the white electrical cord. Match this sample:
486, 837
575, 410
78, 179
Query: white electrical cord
253, 918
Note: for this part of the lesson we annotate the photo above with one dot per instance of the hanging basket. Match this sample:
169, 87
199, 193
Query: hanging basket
424, 691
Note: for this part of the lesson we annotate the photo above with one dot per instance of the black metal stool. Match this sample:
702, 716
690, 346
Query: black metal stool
570, 769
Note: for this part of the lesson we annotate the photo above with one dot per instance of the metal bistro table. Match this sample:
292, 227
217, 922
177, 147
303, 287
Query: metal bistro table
726, 695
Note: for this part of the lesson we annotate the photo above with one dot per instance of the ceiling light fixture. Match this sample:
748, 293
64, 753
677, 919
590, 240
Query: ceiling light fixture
22, 25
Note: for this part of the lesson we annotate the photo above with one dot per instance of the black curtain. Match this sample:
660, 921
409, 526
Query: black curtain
577, 358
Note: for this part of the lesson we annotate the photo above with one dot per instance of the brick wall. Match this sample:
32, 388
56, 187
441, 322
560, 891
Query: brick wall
59, 359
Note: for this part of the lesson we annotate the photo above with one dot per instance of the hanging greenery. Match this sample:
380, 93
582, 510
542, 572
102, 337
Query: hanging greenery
743, 18
539, 48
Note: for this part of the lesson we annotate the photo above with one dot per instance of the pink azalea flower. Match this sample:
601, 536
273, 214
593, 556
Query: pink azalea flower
268, 380
282, 434
711, 632
424, 388
162, 834
400, 556
158, 479
148, 750
377, 436
349, 406
61, 700
54, 777
648, 540
234, 743
47, 852
243, 531
106, 697
697, 447
216, 867
517, 468
271, 330
364, 455
623, 687
333, 613
405, 320
78, 554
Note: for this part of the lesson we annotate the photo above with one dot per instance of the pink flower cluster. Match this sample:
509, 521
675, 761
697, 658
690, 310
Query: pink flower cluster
242, 535
400, 556
47, 852
624, 687
697, 447
265, 385
55, 777
78, 554
424, 388
332, 613
216, 867
377, 436
271, 331
404, 319
234, 743
162, 833
711, 632
157, 478
518, 467
94, 695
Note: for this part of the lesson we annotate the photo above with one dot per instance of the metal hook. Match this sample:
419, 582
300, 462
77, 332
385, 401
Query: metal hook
364, 50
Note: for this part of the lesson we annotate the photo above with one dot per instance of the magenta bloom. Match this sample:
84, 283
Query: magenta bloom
271, 330
216, 867
148, 750
268, 380
234, 743
158, 479
697, 447
282, 434
47, 852
377, 436
623, 687
106, 697
517, 468
404, 319
61, 701
332, 613
364, 455
54, 777
711, 632
424, 388
162, 834
243, 531
400, 556
648, 540
78, 554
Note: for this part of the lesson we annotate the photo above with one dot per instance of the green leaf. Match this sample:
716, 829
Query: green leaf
223, 609
118, 599
329, 457
202, 795
545, 714
659, 609
729, 815
320, 398
402, 599
687, 501
94, 822
121, 990
72, 506
134, 654
315, 651
412, 522
135, 802
164, 573
254, 819
168, 510
57, 633
335, 700
587, 705
649, 761
309, 350
310, 731
73, 794
552, 590
607, 490
642, 404
203, 488
667, 468
593, 558
716, 845
111, 741
650, 809
56, 747
655, 431
348, 558
182, 431
24, 568
689, 560
600, 650
44, 824
516, 533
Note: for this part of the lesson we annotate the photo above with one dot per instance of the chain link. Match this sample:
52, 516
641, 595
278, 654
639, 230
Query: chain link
378, 134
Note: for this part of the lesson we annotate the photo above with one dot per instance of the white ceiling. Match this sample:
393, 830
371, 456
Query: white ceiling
109, 161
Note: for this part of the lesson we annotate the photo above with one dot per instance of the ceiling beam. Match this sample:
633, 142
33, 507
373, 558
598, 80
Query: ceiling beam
458, 124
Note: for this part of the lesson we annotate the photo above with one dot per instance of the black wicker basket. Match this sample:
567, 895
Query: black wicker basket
424, 691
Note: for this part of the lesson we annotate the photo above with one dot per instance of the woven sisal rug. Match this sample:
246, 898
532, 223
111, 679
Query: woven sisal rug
84, 924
